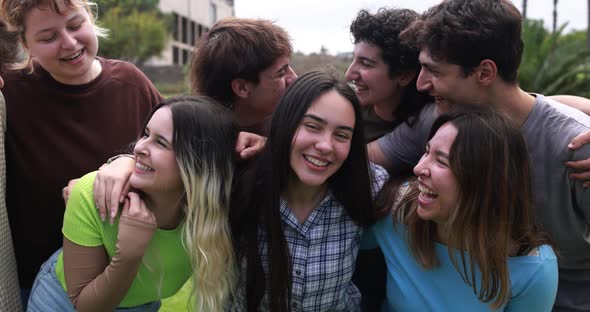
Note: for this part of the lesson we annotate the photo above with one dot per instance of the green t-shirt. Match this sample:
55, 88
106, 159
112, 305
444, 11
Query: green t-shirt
165, 266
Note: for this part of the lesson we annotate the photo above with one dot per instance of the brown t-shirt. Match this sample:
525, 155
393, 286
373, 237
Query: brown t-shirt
57, 132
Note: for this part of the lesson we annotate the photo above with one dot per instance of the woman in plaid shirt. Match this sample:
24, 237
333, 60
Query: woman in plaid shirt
299, 208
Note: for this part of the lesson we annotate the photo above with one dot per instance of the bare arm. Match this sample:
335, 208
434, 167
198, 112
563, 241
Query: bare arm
576, 102
376, 155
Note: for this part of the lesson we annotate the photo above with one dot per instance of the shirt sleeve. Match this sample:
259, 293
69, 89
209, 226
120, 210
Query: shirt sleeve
540, 291
82, 224
404, 146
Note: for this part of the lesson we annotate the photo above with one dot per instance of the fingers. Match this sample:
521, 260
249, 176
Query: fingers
247, 153
138, 210
65, 192
99, 196
117, 195
580, 140
580, 165
582, 171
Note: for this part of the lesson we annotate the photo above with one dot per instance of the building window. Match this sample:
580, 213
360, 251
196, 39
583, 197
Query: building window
175, 53
175, 26
184, 30
193, 29
184, 56
213, 13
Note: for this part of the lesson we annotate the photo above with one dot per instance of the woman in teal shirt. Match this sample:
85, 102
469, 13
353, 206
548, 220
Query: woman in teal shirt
462, 236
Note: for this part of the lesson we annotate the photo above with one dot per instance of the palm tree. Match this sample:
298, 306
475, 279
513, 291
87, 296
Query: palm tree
553, 63
524, 8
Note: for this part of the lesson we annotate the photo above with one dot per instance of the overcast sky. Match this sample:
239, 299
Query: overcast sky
313, 23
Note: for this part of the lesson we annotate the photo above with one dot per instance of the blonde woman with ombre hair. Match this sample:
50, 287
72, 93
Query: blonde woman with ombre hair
174, 222
68, 110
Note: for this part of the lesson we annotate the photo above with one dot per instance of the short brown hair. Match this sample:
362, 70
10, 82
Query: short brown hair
235, 48
465, 32
14, 11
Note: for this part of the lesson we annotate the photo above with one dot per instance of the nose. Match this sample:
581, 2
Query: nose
423, 82
351, 73
324, 144
421, 170
68, 41
291, 76
140, 147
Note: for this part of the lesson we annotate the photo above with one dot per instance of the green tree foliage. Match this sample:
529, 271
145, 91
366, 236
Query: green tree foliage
138, 30
554, 63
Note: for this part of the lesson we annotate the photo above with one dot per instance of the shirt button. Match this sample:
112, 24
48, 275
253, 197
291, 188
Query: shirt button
298, 272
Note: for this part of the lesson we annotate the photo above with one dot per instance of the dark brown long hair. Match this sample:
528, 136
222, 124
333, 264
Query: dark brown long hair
494, 216
256, 201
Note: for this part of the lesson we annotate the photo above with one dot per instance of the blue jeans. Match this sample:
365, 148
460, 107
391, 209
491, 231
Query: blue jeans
47, 294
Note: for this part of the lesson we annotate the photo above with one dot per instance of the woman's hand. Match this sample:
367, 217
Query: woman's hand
249, 144
582, 166
136, 228
111, 186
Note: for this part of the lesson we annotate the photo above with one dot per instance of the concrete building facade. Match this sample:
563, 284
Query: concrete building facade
191, 18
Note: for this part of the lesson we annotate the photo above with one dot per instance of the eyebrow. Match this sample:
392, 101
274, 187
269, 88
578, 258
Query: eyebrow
441, 154
284, 67
75, 16
323, 121
364, 58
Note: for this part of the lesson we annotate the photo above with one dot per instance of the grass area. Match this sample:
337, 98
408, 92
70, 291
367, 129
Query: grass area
178, 302
168, 90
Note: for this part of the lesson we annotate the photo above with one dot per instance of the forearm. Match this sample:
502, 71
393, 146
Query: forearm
100, 285
108, 289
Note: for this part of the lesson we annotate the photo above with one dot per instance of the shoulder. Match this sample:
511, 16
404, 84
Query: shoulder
83, 190
124, 72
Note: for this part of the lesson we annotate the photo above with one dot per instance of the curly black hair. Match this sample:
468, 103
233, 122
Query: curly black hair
383, 29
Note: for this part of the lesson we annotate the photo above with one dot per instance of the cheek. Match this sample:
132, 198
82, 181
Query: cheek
342, 151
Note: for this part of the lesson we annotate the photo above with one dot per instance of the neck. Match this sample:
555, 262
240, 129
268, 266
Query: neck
303, 199
93, 72
245, 117
386, 109
166, 208
511, 102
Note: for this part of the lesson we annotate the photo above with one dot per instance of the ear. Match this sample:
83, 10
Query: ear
487, 71
406, 77
241, 87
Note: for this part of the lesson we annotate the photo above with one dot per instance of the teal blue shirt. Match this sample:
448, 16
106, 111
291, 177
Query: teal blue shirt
412, 288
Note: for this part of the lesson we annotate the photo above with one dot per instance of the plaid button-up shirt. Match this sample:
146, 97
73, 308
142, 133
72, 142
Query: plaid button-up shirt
323, 251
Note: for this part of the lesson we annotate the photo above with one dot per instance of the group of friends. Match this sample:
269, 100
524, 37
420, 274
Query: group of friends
426, 180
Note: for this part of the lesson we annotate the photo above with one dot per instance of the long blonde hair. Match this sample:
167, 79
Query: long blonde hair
204, 139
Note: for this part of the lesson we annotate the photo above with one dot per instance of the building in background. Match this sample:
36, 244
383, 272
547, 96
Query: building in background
191, 18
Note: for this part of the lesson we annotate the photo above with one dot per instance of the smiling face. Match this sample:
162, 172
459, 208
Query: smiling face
273, 81
322, 141
370, 77
156, 169
439, 189
447, 83
64, 44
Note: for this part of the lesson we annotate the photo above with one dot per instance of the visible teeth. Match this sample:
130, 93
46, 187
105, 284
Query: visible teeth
73, 57
143, 167
316, 162
425, 190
